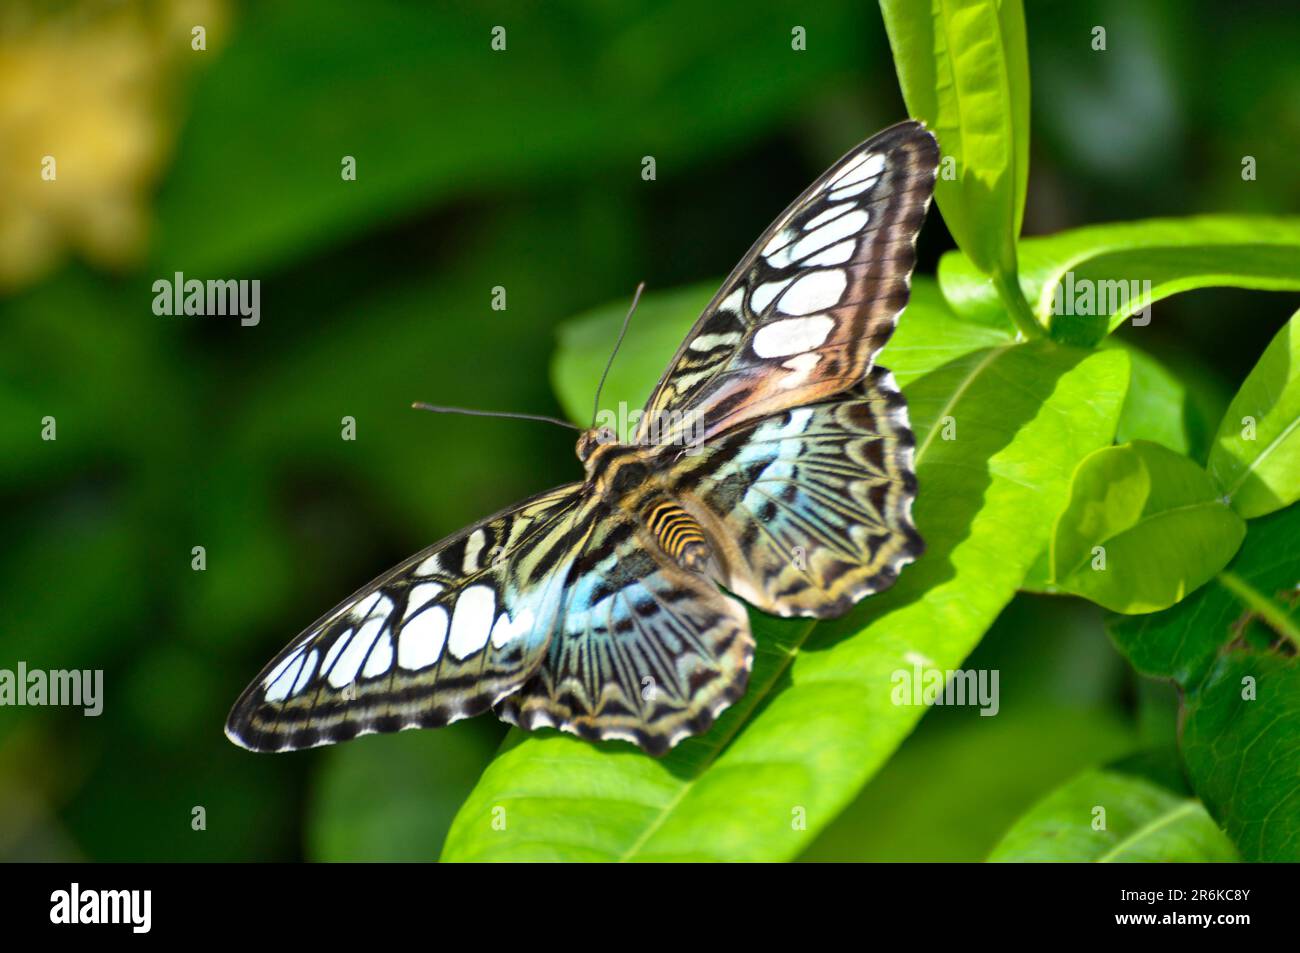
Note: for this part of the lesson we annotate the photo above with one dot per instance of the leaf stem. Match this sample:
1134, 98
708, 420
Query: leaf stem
1008, 288
1259, 603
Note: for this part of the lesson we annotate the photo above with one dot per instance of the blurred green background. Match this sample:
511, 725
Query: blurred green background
477, 169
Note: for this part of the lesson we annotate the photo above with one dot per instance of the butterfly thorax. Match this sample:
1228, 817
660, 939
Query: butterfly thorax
629, 478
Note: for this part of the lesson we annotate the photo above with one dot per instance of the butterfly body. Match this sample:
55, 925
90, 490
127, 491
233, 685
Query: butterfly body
773, 462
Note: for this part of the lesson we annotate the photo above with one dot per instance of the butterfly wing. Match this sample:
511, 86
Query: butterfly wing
812, 302
810, 509
646, 651
441, 637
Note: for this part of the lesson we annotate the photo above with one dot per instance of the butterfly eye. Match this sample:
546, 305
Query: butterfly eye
606, 435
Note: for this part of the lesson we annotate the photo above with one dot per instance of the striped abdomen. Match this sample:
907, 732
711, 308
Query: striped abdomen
678, 533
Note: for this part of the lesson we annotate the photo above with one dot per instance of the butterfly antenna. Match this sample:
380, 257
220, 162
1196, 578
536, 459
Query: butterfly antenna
636, 297
419, 405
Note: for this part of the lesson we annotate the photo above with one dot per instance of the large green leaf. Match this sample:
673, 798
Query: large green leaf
818, 718
964, 69
1242, 755
1116, 270
1165, 407
993, 770
1242, 747
1108, 816
1256, 454
1144, 527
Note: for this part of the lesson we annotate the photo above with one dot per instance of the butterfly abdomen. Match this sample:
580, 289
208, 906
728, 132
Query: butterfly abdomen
681, 537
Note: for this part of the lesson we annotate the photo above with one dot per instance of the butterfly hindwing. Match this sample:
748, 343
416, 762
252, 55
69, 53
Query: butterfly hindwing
441, 637
646, 651
812, 302
810, 508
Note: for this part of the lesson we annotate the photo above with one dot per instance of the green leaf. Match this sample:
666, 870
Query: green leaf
1242, 756
963, 67
818, 718
1144, 527
1242, 748
930, 335
1256, 454
1255, 593
1161, 407
993, 770
1116, 270
1144, 823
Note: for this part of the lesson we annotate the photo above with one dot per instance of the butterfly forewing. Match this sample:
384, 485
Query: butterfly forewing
812, 302
443, 636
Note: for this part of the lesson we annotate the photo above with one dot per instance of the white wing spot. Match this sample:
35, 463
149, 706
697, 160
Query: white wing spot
831, 232
777, 251
834, 212
334, 651
849, 191
307, 670
791, 336
802, 365
871, 165
429, 566
471, 623
360, 610
279, 687
781, 238
733, 301
381, 656
507, 631
835, 255
420, 643
709, 342
419, 597
764, 294
814, 292
848, 169
276, 672
349, 660
349, 663
473, 546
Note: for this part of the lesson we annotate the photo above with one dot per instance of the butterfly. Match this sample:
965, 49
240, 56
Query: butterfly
780, 469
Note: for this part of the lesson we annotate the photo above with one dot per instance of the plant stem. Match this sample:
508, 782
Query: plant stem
1008, 288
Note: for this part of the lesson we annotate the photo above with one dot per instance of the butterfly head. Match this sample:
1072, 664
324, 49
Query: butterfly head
591, 440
